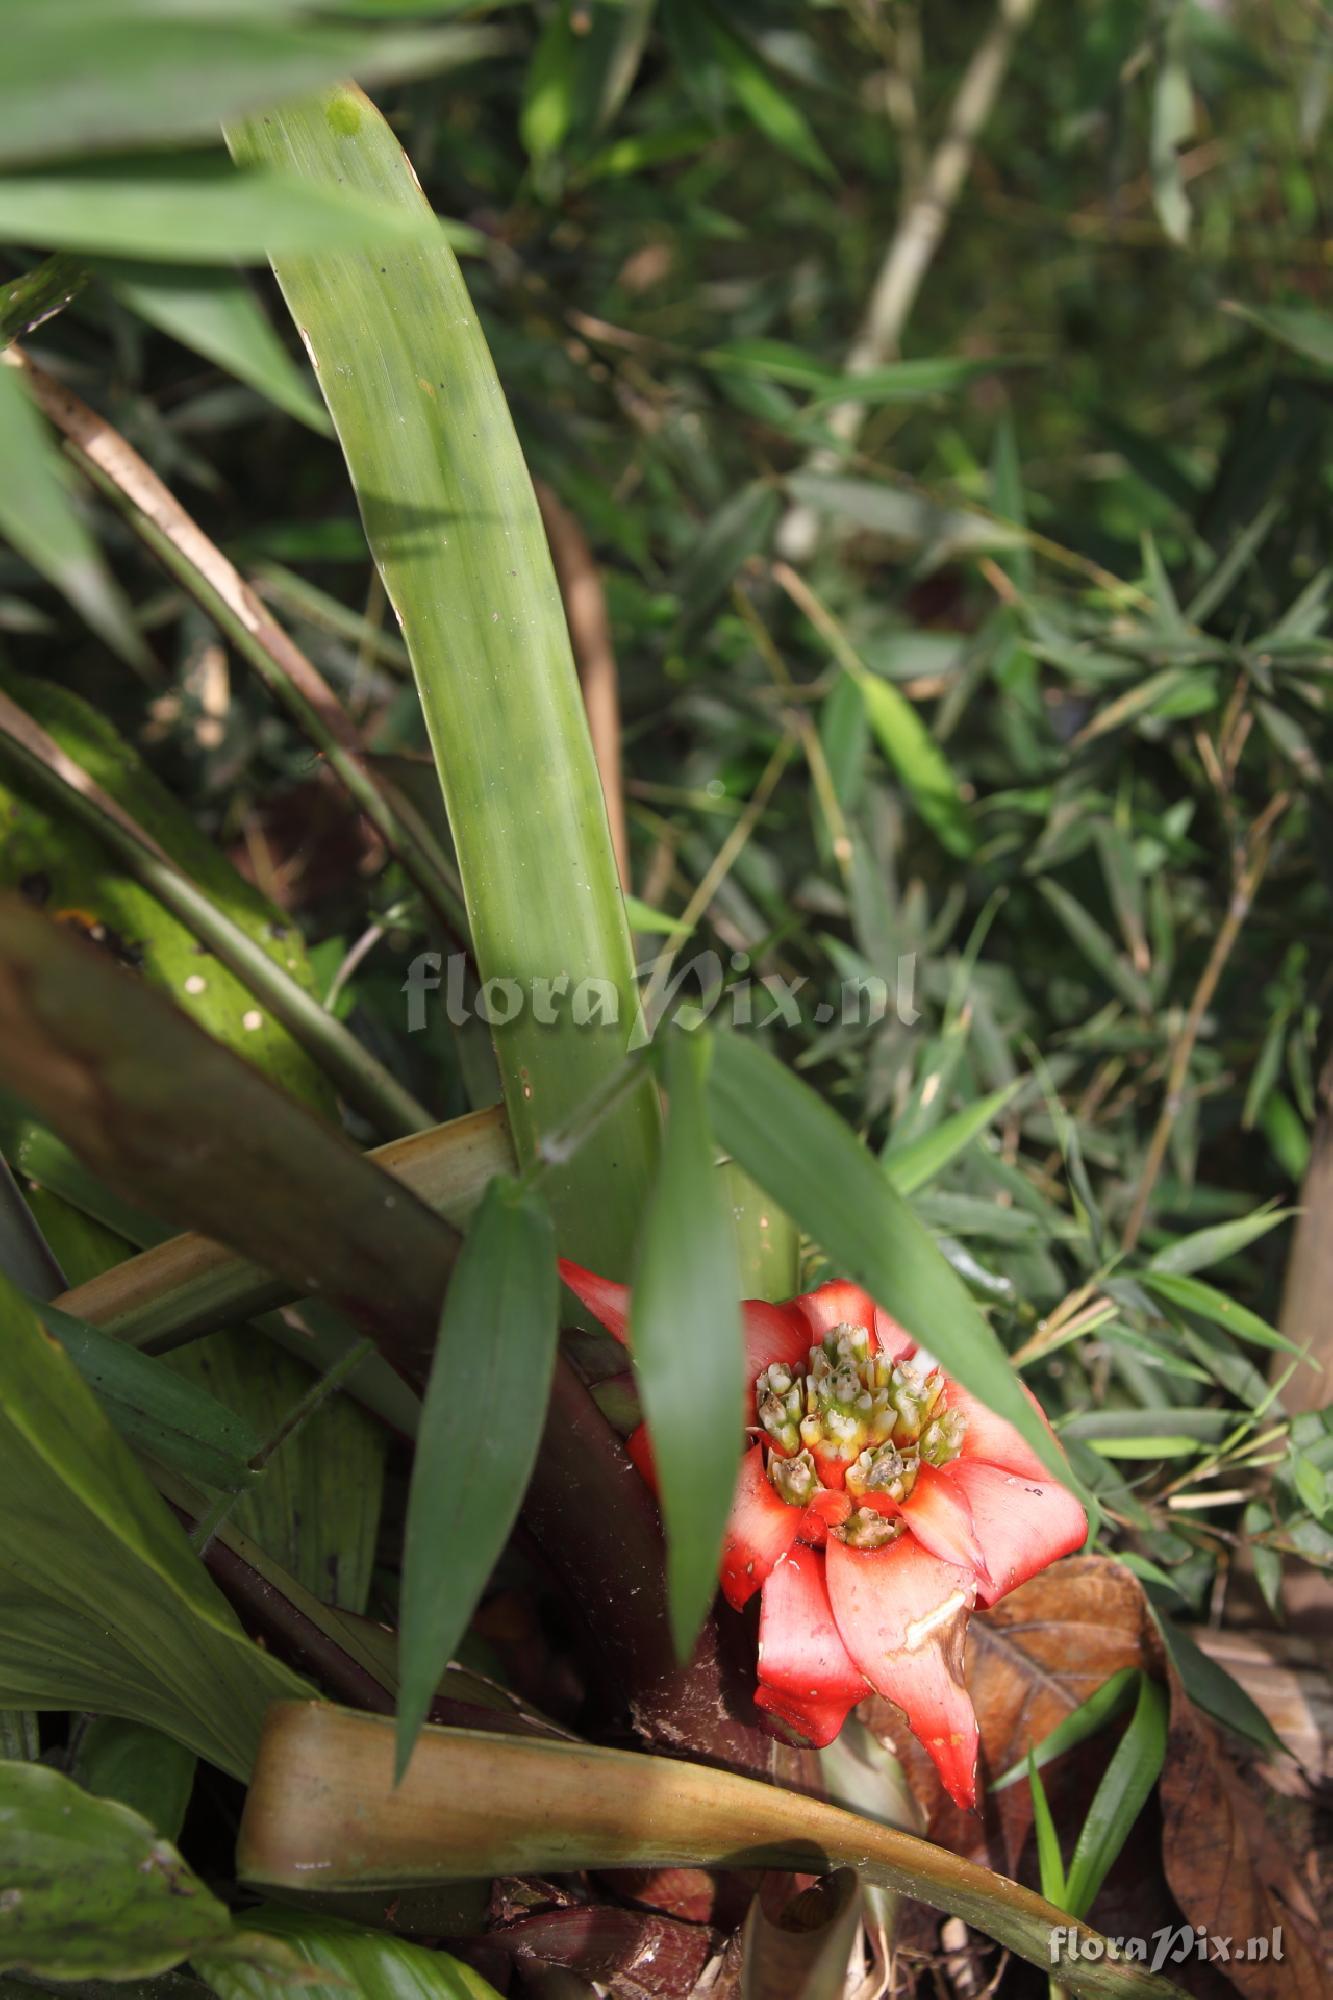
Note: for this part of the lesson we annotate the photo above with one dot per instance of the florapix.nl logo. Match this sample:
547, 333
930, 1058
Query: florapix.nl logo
727, 991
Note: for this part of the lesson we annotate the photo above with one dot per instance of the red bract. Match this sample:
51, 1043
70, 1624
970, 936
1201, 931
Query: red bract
876, 1504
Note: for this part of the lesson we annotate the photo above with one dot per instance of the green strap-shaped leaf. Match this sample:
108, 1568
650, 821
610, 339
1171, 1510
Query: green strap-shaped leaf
63, 867
686, 1336
90, 1888
130, 1083
452, 521
103, 1603
803, 1154
481, 1424
1210, 1304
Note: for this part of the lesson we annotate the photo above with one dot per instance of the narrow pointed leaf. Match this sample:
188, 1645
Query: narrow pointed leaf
481, 1424
111, 73
37, 514
91, 1890
1098, 947
916, 1162
1120, 1797
216, 313
453, 524
1213, 1245
197, 210
1050, 1861
918, 761
798, 1149
686, 1337
324, 1796
1210, 1304
1081, 1723
1304, 328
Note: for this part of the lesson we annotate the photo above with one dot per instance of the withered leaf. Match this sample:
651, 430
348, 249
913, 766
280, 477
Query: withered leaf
1228, 1865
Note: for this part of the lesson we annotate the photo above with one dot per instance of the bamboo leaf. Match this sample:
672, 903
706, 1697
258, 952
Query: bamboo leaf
91, 1890
799, 1150
103, 1604
1098, 948
1210, 1304
919, 762
917, 1162
454, 527
902, 516
688, 1355
903, 737
1120, 1797
216, 313
1213, 1245
738, 530
481, 1424
38, 516
196, 208
1304, 329
324, 1794
116, 73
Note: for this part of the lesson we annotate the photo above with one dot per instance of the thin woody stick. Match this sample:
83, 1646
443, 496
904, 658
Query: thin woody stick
914, 244
1257, 848
594, 655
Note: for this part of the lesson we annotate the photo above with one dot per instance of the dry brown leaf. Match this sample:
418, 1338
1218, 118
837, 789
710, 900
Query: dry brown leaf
1227, 1864
1031, 1661
1220, 1860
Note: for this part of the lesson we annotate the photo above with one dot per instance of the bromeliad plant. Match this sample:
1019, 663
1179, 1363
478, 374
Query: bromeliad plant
876, 1504
880, 1496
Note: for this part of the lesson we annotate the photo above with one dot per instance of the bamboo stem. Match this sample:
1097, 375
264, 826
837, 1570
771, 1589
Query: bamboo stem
915, 242
1251, 874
